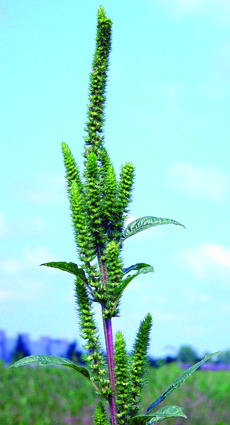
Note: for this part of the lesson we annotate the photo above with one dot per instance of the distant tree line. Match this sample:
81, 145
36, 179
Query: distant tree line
21, 350
186, 354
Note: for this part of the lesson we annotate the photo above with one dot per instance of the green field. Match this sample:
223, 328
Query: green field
59, 396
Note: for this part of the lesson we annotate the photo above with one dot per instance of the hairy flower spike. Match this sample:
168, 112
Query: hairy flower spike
139, 361
84, 238
72, 173
90, 332
122, 380
109, 188
100, 417
104, 159
93, 196
124, 193
125, 185
98, 79
109, 199
114, 275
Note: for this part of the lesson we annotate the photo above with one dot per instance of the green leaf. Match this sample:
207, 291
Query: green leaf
141, 270
129, 278
178, 381
51, 361
164, 413
67, 267
144, 223
137, 266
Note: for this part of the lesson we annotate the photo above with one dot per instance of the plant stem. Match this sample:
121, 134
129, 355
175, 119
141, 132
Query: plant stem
108, 332
107, 323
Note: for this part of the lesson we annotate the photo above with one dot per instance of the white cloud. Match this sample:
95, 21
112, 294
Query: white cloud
4, 295
21, 278
208, 260
45, 189
22, 288
33, 224
12, 266
217, 10
209, 183
2, 225
129, 219
188, 6
165, 317
11, 295
218, 254
37, 256
21, 225
30, 258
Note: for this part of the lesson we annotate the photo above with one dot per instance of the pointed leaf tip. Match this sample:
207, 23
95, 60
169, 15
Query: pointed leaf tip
166, 412
67, 267
137, 266
178, 381
145, 223
142, 268
50, 361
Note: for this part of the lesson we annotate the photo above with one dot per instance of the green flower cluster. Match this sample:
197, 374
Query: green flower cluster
99, 205
100, 417
98, 79
130, 372
89, 331
98, 200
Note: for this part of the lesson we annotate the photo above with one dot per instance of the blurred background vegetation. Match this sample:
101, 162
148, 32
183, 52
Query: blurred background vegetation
58, 396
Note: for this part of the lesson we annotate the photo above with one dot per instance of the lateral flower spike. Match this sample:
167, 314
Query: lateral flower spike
98, 80
72, 173
109, 199
124, 193
100, 417
90, 333
84, 238
93, 195
114, 275
139, 361
122, 379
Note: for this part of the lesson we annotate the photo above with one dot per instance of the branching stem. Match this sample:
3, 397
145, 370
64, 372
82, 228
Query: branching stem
107, 323
108, 333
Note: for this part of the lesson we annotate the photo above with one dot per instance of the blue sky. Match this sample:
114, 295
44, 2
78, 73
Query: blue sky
168, 100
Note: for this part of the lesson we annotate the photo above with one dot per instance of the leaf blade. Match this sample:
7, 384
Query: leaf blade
70, 267
178, 381
161, 414
120, 289
136, 266
43, 360
129, 278
145, 223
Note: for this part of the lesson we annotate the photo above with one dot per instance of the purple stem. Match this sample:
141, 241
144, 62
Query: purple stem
109, 348
107, 324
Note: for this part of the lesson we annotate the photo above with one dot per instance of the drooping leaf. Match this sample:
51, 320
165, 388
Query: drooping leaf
136, 266
161, 414
142, 270
129, 278
178, 381
51, 361
67, 267
144, 223
54, 361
